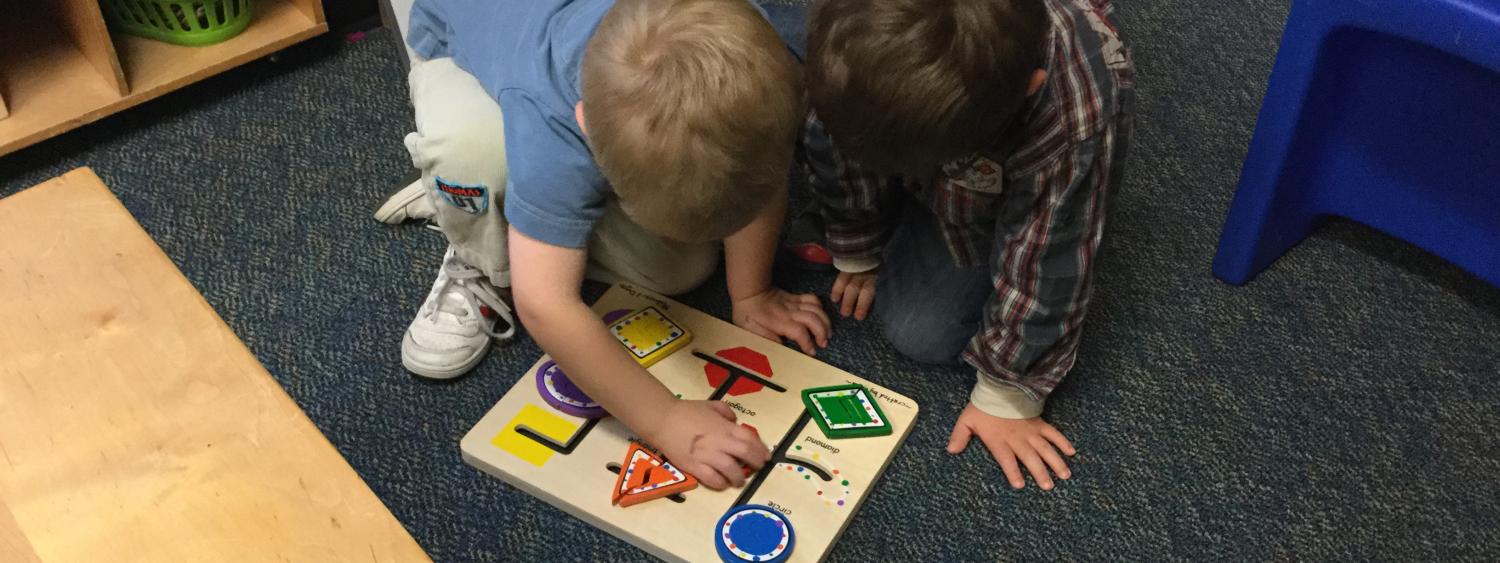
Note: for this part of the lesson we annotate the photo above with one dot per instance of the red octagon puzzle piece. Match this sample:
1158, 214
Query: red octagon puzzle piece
743, 356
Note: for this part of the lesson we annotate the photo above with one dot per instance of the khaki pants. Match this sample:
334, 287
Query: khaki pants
460, 144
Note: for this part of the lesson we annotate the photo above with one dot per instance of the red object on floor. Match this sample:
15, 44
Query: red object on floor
811, 252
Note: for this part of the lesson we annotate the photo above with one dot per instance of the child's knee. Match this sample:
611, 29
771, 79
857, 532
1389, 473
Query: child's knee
925, 336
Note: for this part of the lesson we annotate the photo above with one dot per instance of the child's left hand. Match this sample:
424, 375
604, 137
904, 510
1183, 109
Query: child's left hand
776, 314
1032, 441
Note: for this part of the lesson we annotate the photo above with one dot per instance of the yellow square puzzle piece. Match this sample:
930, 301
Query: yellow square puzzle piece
650, 335
540, 421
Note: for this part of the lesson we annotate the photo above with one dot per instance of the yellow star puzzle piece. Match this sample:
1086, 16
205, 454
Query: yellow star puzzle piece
650, 335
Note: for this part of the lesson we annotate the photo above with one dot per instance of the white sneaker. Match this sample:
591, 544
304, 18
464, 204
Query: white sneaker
456, 324
407, 204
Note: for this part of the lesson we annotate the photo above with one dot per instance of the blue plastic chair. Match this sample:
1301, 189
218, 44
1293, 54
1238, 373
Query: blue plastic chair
1386, 112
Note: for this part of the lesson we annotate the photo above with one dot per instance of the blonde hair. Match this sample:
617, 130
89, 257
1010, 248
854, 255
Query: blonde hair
692, 108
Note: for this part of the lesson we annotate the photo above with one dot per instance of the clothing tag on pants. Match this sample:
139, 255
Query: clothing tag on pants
472, 199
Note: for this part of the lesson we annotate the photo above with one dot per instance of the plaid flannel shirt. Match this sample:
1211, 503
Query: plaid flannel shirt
1033, 209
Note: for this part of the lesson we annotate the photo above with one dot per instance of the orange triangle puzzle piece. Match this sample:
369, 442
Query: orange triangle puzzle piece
638, 477
646, 476
626, 477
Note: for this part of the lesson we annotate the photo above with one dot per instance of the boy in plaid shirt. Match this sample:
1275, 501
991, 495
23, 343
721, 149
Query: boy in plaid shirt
963, 153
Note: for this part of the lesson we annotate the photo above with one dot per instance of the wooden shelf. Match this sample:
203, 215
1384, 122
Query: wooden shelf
84, 24
48, 83
59, 69
153, 67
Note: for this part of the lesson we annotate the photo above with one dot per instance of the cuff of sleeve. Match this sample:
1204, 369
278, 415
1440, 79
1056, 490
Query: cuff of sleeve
1003, 399
546, 227
426, 46
856, 265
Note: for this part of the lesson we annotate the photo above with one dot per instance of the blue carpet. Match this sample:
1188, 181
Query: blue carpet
1343, 406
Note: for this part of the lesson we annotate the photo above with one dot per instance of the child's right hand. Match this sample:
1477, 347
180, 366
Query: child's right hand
701, 438
855, 293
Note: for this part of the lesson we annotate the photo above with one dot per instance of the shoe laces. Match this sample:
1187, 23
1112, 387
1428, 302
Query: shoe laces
473, 293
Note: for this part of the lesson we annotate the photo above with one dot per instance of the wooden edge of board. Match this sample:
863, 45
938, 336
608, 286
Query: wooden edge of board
82, 178
13, 542
86, 180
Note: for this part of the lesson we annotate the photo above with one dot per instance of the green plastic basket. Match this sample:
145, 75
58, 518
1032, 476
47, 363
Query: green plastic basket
184, 22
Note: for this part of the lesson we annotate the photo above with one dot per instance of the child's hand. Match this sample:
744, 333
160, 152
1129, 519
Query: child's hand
777, 314
1030, 440
701, 438
855, 293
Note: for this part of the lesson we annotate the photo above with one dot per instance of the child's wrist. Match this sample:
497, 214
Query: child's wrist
652, 427
736, 298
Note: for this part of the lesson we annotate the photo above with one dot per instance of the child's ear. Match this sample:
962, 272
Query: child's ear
1038, 79
578, 115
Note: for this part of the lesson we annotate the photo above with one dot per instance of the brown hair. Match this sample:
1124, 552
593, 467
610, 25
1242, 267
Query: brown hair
692, 108
901, 84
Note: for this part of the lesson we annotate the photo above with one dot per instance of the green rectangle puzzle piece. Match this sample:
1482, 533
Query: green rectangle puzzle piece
841, 410
846, 411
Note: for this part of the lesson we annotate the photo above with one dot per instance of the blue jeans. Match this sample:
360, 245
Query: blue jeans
929, 307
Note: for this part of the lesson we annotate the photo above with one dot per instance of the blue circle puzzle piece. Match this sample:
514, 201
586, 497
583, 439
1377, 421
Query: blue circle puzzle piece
753, 532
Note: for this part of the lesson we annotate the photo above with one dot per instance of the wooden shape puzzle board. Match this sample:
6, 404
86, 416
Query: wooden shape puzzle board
816, 482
